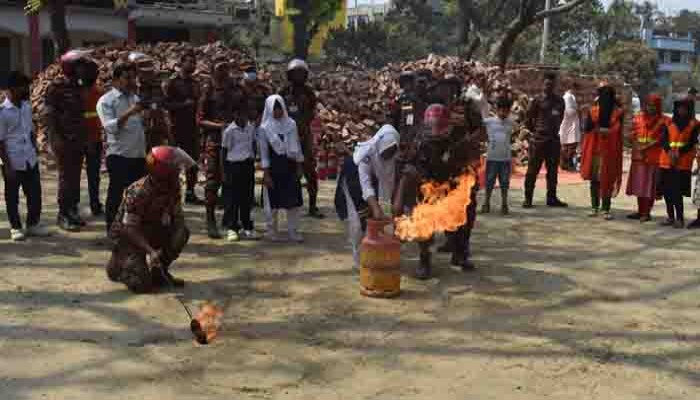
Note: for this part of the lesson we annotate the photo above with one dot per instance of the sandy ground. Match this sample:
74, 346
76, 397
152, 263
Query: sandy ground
561, 307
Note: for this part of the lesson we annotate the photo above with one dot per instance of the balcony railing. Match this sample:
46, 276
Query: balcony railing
677, 44
674, 67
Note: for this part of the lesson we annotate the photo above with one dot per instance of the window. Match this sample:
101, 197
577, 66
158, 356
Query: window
676, 57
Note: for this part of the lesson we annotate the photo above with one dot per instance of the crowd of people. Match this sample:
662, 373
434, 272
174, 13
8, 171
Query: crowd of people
438, 130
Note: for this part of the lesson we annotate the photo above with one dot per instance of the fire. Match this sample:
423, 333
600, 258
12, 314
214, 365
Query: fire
209, 318
442, 210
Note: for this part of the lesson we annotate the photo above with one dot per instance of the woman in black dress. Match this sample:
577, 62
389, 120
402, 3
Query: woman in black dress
282, 162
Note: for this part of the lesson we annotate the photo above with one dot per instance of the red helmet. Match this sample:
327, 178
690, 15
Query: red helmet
166, 161
70, 59
437, 117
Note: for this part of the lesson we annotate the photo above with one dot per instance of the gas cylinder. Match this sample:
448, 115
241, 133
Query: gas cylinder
380, 262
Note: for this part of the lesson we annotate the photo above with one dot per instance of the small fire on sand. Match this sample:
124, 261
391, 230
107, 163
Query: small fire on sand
208, 322
443, 209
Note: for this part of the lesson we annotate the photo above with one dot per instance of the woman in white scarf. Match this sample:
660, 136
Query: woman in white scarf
282, 158
372, 182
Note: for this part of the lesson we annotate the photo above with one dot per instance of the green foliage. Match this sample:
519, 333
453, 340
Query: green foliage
632, 60
374, 44
34, 6
308, 16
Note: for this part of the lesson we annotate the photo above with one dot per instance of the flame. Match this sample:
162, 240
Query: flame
442, 210
209, 318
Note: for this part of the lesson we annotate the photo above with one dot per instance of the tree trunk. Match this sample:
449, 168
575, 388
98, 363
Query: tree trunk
502, 49
301, 39
59, 31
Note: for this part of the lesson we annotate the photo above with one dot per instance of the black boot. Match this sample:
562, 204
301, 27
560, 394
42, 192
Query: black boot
424, 269
212, 228
75, 215
528, 198
553, 201
97, 209
486, 207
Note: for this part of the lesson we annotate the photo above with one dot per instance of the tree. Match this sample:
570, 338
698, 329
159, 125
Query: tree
634, 61
514, 16
308, 17
688, 22
374, 44
619, 24
57, 13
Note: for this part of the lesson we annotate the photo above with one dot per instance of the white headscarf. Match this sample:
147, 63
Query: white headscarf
285, 126
371, 153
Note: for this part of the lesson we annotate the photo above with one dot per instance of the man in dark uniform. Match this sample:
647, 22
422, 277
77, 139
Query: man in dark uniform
68, 133
301, 104
253, 87
150, 91
181, 99
221, 96
467, 129
544, 118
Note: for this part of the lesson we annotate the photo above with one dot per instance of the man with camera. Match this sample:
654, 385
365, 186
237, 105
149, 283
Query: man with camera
120, 111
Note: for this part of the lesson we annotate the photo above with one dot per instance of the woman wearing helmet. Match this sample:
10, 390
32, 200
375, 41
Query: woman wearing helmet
149, 230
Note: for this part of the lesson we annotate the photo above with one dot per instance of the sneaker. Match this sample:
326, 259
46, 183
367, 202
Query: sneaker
555, 202
38, 230
67, 224
679, 225
316, 213
608, 216
249, 235
668, 222
644, 218
594, 213
295, 237
634, 216
694, 225
17, 235
232, 236
213, 231
77, 219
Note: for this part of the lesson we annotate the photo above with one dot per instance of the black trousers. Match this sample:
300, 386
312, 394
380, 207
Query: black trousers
548, 153
30, 182
123, 172
673, 194
239, 185
93, 162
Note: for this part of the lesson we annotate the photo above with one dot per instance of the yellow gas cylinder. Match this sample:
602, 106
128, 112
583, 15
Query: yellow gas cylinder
380, 262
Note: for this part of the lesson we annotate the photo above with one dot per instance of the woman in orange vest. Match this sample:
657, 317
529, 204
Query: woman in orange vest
676, 161
601, 162
646, 150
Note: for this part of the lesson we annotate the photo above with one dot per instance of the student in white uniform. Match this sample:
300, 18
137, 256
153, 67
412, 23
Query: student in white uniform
366, 183
282, 161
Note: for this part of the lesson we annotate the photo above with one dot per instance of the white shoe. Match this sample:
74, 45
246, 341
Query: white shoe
249, 235
38, 230
296, 237
232, 236
17, 235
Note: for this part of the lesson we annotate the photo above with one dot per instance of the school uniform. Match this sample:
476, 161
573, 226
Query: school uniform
238, 145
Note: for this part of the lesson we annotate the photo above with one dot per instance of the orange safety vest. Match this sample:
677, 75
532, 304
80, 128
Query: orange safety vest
92, 120
643, 135
678, 139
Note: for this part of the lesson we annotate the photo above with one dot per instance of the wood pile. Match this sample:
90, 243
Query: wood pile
166, 58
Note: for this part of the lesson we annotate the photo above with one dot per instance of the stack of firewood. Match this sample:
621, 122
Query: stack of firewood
166, 59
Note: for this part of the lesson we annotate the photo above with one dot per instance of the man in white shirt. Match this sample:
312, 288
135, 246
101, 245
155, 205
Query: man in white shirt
19, 158
570, 130
120, 112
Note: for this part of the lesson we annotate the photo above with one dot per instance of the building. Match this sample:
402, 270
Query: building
676, 55
366, 13
25, 42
